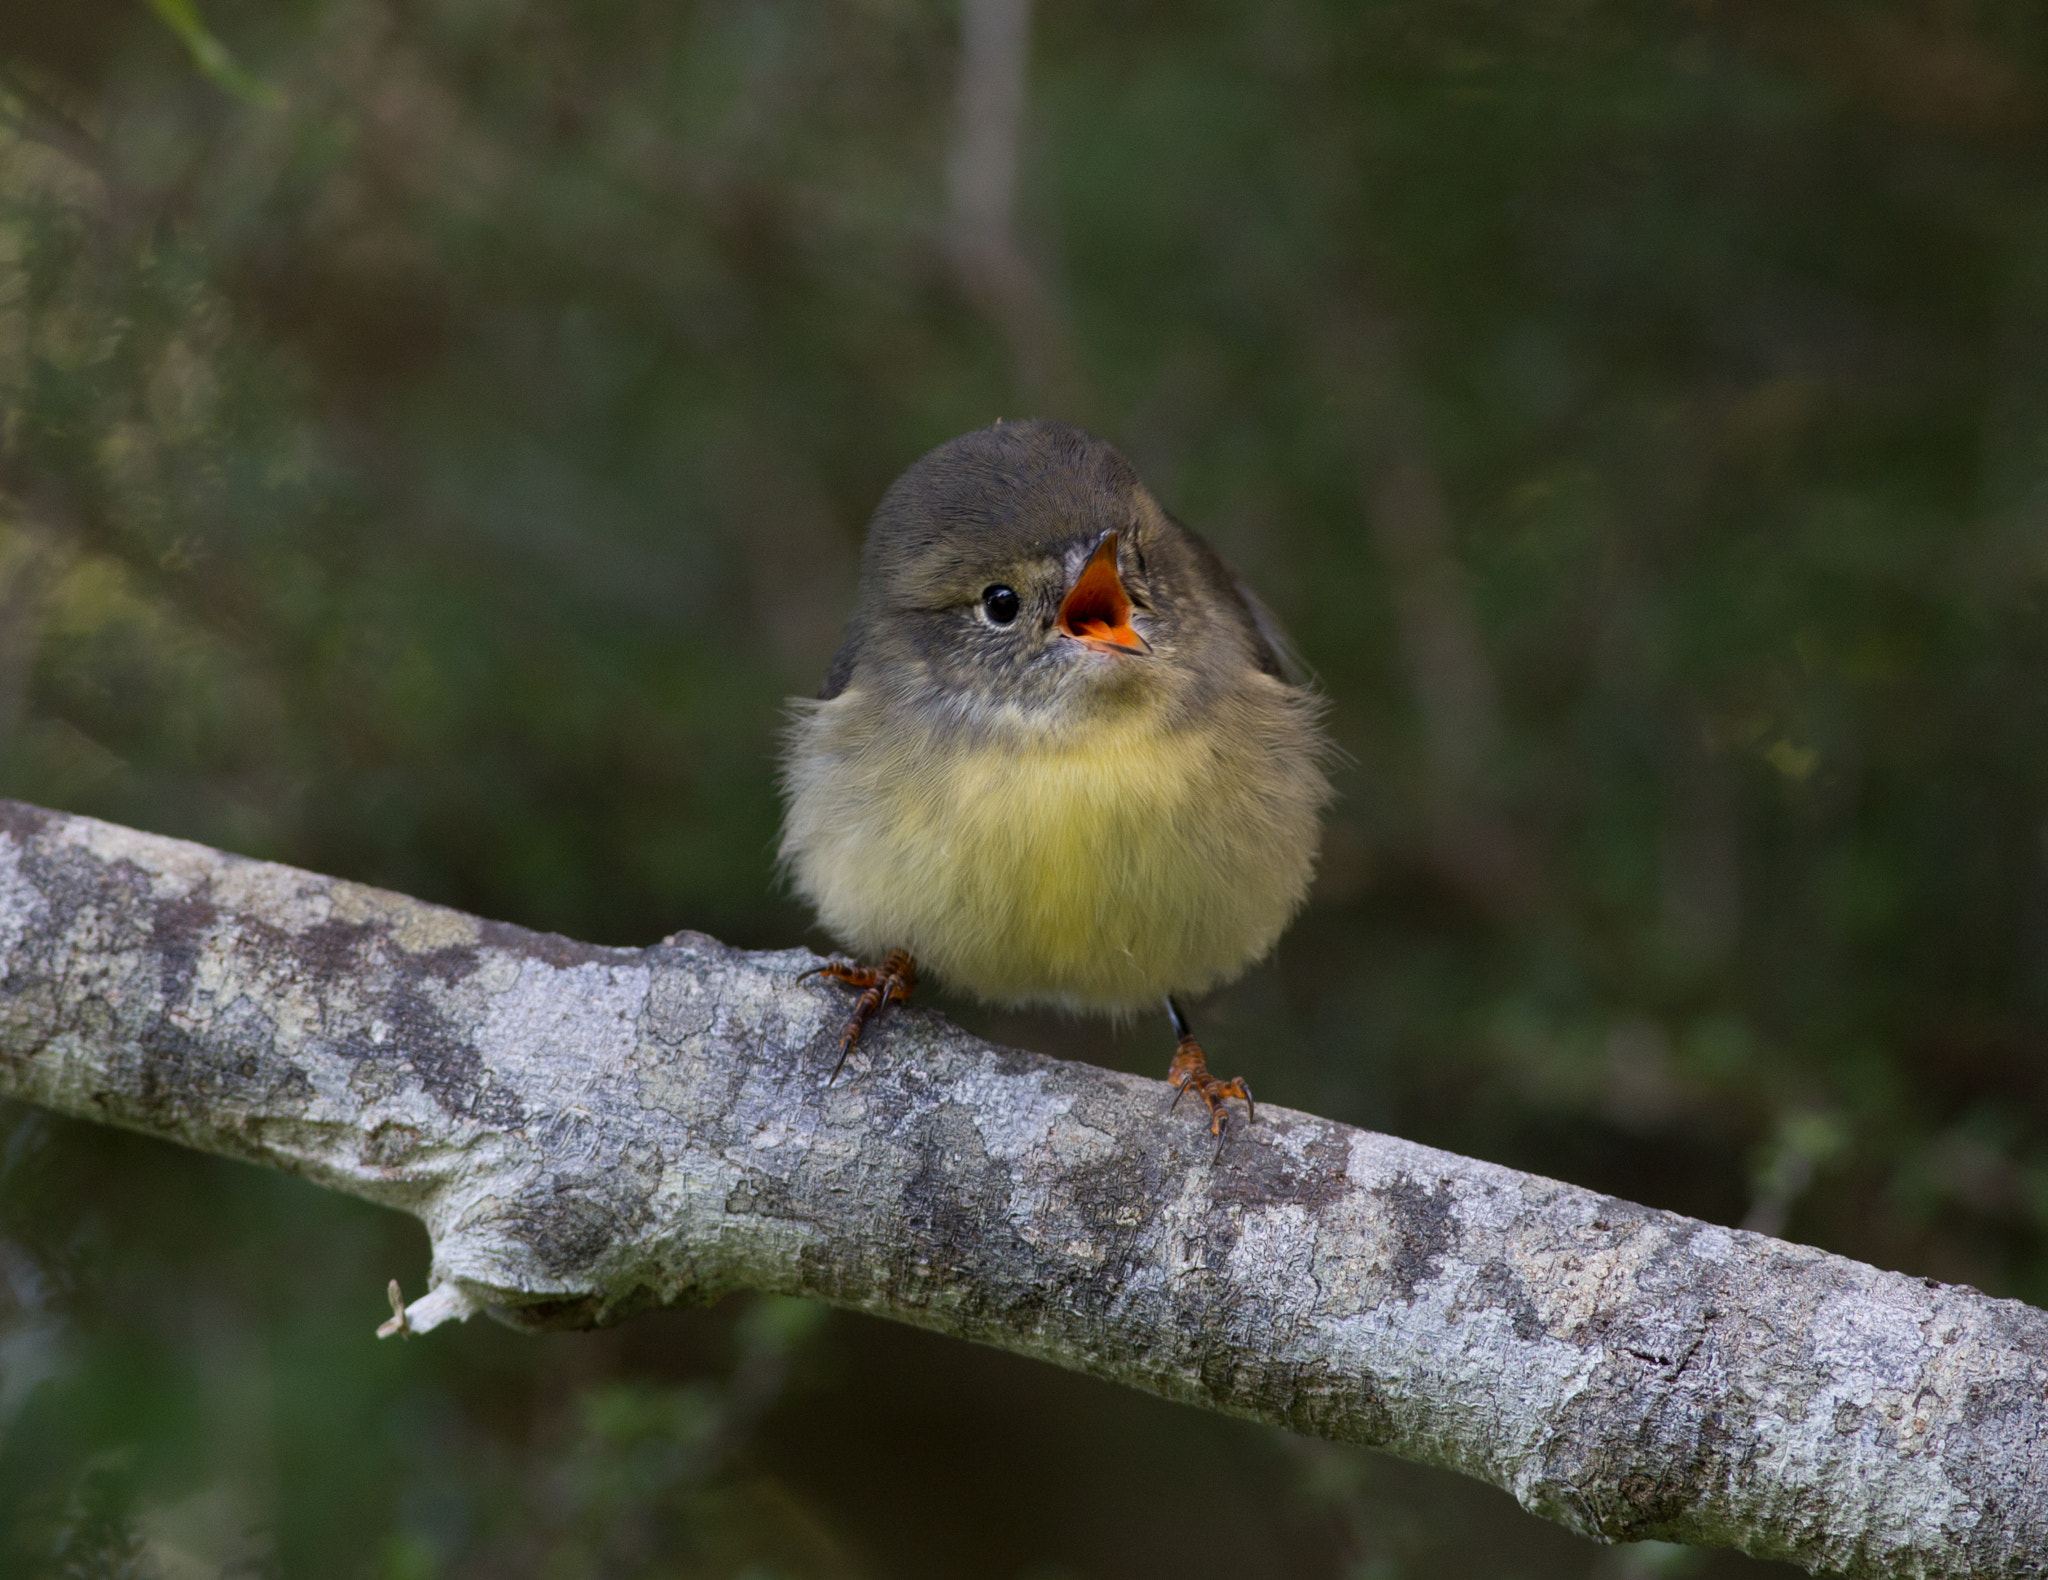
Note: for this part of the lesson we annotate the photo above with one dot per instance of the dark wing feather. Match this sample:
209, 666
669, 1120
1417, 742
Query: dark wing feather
842, 668
1281, 658
1272, 650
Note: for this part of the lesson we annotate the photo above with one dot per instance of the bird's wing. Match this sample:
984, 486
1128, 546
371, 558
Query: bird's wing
1273, 649
1281, 659
841, 670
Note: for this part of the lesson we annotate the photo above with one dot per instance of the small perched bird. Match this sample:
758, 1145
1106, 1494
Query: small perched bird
1059, 758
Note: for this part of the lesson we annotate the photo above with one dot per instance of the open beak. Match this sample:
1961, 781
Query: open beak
1097, 612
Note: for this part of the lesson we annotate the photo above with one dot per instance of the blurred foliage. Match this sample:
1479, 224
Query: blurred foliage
435, 434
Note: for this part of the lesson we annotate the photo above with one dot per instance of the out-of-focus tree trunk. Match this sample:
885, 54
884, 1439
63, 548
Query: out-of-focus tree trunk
982, 172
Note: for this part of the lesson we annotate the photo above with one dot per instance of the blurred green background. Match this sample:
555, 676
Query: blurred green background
436, 434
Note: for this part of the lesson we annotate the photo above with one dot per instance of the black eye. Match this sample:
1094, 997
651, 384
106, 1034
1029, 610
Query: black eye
999, 604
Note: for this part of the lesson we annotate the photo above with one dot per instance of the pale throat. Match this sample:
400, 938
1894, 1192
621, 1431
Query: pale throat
1108, 698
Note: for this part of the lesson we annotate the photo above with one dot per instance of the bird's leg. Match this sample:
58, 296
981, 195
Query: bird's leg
889, 983
1189, 1072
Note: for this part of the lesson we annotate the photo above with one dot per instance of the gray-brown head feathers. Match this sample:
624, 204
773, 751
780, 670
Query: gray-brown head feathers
1021, 505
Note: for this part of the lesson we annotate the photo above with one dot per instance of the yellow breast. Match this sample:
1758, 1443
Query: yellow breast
1099, 871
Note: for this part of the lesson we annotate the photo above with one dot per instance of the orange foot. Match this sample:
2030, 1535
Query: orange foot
1189, 1072
889, 983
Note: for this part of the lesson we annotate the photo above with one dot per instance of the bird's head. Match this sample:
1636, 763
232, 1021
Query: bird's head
1022, 577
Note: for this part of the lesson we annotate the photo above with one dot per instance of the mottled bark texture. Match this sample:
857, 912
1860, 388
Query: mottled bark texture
586, 1132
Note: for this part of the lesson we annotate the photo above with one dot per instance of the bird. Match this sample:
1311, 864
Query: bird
1063, 757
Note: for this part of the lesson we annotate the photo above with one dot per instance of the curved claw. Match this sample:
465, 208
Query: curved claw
889, 983
1190, 1072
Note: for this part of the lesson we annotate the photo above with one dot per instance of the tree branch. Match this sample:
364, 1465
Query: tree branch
586, 1132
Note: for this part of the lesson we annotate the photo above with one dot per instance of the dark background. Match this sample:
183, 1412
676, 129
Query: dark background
436, 434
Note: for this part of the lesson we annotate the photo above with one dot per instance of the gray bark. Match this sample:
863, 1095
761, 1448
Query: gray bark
588, 1131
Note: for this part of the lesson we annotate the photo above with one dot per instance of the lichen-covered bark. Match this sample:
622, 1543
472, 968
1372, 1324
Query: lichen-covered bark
589, 1131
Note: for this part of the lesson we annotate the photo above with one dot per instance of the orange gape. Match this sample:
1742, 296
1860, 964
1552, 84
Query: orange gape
1098, 610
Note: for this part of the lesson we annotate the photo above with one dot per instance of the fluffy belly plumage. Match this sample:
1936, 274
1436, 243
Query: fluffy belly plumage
1100, 872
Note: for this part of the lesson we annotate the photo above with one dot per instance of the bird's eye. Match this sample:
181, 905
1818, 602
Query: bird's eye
1000, 604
